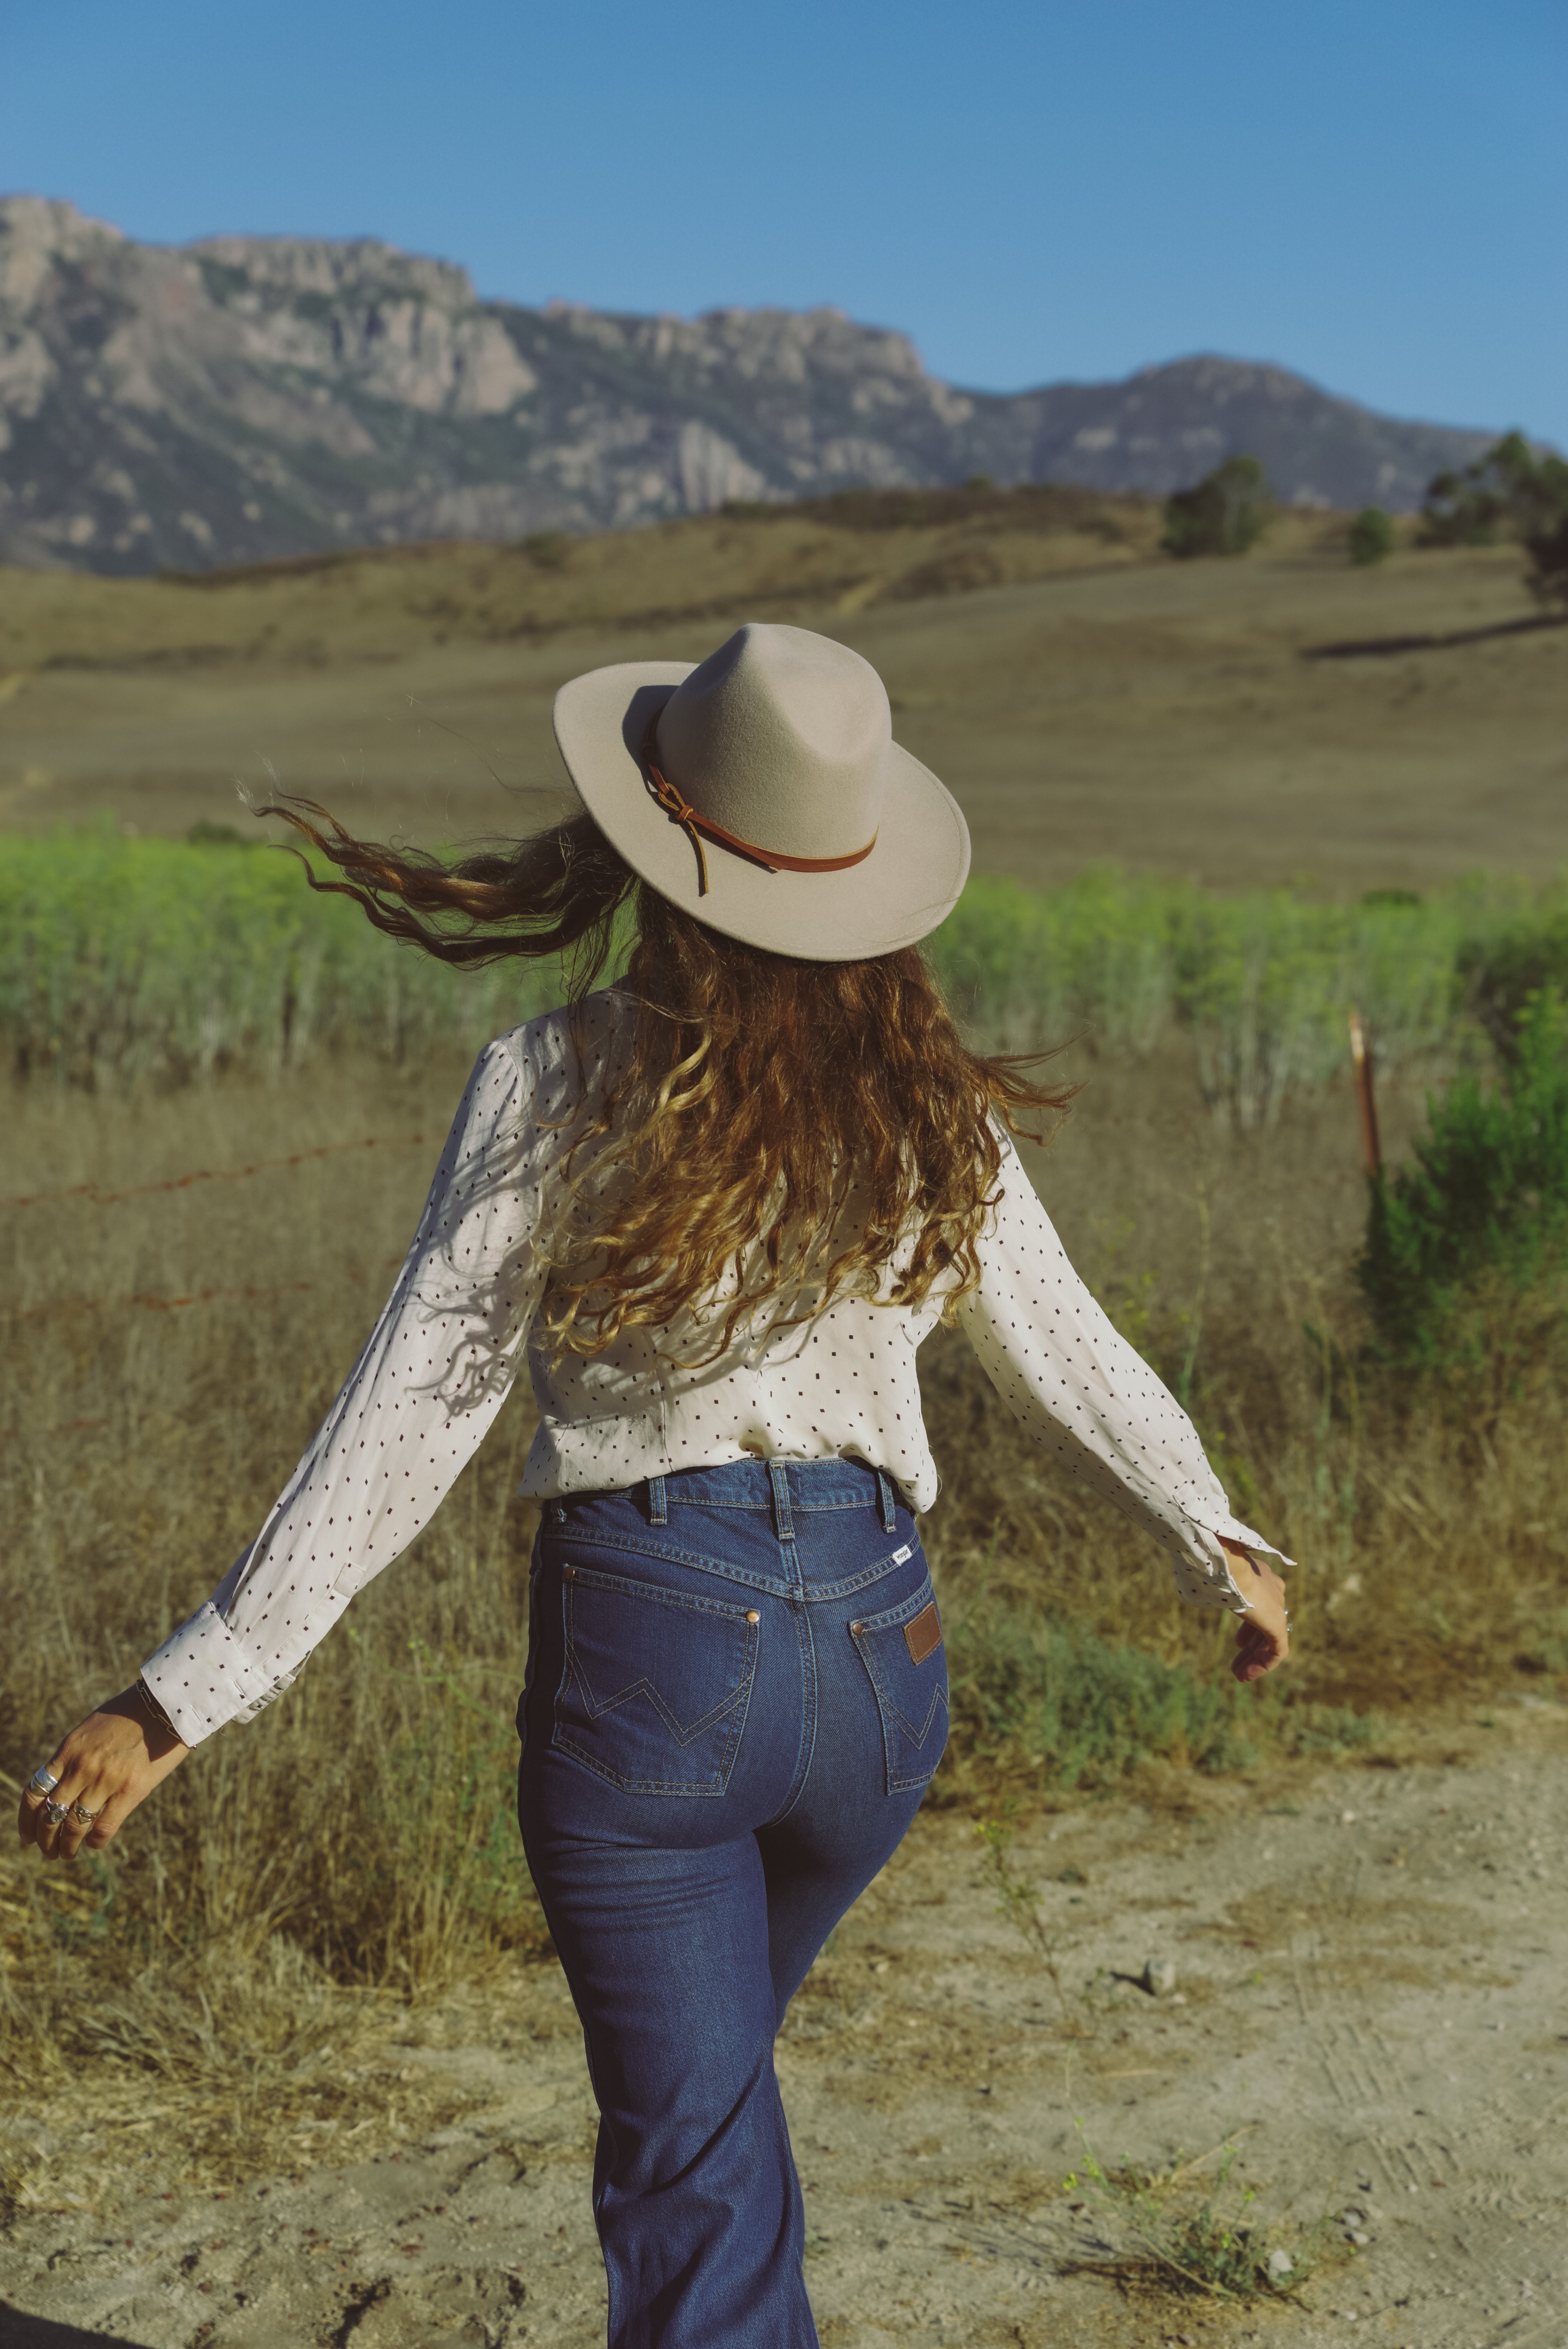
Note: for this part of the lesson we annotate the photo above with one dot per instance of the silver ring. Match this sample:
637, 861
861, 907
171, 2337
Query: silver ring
43, 1780
83, 1817
56, 1813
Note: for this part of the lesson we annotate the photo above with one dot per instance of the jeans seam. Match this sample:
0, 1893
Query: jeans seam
763, 1508
829, 1590
562, 1743
802, 1619
777, 1585
654, 1595
643, 1547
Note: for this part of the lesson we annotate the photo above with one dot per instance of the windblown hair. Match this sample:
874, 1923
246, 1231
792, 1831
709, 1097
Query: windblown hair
780, 1132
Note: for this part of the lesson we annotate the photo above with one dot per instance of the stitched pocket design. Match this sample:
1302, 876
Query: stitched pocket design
902, 1649
655, 1684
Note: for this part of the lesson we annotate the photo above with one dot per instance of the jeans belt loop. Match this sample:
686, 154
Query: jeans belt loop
657, 1502
885, 1495
778, 1477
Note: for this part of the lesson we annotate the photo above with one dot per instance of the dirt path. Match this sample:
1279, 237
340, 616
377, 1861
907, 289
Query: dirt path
1369, 2001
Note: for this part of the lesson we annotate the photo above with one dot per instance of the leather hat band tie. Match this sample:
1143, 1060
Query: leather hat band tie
680, 809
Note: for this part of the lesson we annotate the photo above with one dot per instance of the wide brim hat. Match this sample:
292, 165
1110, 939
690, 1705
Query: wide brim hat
761, 791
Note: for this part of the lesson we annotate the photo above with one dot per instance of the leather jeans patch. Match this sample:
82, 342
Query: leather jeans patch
924, 1633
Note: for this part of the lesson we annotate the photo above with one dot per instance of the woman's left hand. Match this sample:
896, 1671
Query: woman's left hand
1263, 1637
108, 1764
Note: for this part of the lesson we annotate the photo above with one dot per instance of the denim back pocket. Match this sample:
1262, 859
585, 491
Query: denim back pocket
903, 1651
655, 1684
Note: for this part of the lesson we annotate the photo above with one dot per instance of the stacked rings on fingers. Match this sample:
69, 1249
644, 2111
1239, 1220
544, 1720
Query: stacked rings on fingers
43, 1780
83, 1817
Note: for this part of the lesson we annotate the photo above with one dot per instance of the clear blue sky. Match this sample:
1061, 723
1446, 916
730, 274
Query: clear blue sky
1375, 192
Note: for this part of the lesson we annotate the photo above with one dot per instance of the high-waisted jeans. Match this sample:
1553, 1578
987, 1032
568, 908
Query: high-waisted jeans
736, 1696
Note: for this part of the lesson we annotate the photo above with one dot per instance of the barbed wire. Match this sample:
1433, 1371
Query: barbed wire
153, 1304
96, 1196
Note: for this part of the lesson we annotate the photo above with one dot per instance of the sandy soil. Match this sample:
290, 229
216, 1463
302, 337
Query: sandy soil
1367, 2003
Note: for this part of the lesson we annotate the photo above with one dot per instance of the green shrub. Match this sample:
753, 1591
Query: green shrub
1548, 546
1480, 1221
1053, 1699
1224, 513
1500, 975
1510, 492
1084, 1711
1371, 536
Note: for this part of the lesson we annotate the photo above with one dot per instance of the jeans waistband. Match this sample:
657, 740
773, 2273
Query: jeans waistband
780, 1488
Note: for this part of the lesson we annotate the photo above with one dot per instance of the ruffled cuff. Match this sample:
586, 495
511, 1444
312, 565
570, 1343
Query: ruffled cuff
1203, 1576
204, 1676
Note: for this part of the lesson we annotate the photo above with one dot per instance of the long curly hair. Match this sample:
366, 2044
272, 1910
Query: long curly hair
779, 1133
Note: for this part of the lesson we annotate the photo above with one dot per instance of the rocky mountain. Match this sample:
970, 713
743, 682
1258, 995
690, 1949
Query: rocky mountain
245, 397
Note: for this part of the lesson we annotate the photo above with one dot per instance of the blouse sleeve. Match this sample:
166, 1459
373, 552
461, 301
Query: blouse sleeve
430, 1379
1085, 1395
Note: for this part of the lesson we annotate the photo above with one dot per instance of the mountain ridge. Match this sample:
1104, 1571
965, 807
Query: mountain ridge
240, 398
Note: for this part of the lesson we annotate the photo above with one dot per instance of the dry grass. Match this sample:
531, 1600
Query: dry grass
363, 1829
837, 553
1084, 698
357, 1841
1432, 1553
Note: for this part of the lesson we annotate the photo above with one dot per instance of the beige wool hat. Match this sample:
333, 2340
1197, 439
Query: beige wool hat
761, 791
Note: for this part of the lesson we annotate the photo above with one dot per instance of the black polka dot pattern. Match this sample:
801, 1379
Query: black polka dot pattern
441, 1360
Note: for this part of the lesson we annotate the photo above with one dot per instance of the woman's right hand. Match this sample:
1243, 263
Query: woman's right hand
1263, 1635
108, 1764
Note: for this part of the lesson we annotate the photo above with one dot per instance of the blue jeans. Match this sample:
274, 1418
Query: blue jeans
736, 1696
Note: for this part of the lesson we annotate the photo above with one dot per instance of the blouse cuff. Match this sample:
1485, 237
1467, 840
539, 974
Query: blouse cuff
1203, 1576
204, 1676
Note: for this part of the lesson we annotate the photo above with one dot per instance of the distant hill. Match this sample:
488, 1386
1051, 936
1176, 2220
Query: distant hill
243, 398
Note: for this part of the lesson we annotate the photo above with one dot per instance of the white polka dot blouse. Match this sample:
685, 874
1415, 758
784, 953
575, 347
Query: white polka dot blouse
441, 1360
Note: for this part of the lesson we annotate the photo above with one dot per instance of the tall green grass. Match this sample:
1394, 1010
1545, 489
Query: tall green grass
127, 959
1264, 979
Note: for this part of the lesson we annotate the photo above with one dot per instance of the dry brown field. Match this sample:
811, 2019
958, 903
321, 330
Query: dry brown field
293, 2063
1085, 696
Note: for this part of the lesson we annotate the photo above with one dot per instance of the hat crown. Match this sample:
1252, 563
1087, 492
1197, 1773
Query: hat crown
781, 738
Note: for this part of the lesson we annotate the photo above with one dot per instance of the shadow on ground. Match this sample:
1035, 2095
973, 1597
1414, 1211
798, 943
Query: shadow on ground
20, 2331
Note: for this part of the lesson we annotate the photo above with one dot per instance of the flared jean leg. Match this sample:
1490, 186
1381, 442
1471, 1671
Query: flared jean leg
735, 1698
695, 2193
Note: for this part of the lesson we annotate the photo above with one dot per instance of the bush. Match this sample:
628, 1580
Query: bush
1226, 511
1501, 975
1087, 1711
1456, 1243
1548, 546
1510, 492
1045, 1698
1371, 536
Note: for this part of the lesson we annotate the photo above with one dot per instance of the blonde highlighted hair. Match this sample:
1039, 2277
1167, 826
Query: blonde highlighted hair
779, 1133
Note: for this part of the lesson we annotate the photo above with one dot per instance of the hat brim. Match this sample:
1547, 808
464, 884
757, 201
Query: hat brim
910, 882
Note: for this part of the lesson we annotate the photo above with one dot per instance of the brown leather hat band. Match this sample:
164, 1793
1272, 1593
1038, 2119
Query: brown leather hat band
678, 809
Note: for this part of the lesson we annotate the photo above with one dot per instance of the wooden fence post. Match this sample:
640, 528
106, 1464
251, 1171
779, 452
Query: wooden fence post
1361, 1053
